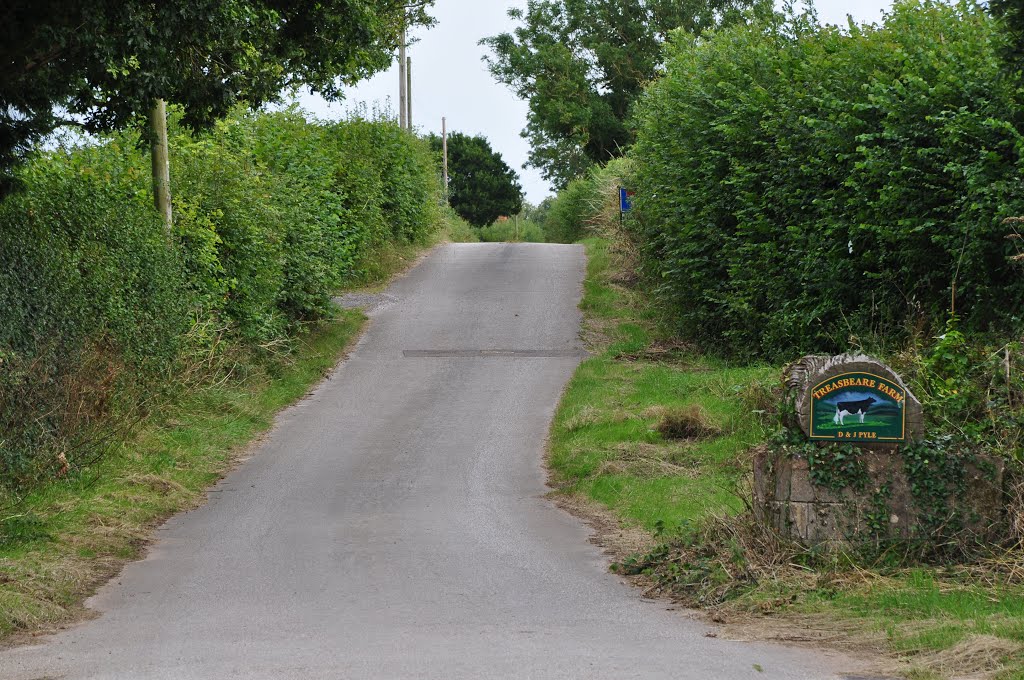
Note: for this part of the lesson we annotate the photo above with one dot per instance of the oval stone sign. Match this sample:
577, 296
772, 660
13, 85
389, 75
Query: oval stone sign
853, 398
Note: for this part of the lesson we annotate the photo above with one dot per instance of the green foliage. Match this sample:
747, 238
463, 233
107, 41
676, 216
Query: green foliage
836, 467
101, 312
105, 61
947, 373
537, 213
456, 229
568, 216
804, 188
877, 515
279, 212
582, 65
481, 186
513, 230
969, 387
92, 304
589, 204
1011, 16
937, 472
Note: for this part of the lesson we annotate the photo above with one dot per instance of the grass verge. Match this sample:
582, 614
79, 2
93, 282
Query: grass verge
659, 437
65, 539
69, 537
612, 441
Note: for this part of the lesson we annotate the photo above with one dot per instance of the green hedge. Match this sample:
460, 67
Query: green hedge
100, 310
512, 231
801, 188
289, 210
589, 204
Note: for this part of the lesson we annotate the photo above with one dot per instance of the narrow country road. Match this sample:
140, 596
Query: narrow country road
393, 524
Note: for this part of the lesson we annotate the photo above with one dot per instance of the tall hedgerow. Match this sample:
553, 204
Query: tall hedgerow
319, 200
100, 309
91, 306
801, 187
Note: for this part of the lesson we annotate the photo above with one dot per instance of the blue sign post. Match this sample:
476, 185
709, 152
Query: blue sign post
625, 203
625, 200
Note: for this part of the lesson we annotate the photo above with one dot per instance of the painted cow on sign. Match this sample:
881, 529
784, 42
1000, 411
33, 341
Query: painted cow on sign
851, 408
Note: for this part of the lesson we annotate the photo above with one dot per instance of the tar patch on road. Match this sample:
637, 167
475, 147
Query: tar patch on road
493, 353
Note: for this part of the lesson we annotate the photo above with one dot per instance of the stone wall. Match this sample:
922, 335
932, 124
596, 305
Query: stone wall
872, 478
786, 498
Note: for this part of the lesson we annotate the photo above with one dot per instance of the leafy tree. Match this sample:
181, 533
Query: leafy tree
482, 187
1011, 15
536, 213
582, 64
100, 63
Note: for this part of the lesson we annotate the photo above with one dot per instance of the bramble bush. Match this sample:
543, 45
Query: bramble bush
101, 311
807, 189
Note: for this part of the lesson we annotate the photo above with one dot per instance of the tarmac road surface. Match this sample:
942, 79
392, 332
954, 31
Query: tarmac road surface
394, 525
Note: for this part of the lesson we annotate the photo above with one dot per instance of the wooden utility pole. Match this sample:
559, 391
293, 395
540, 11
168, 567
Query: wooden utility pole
444, 149
408, 92
403, 110
161, 162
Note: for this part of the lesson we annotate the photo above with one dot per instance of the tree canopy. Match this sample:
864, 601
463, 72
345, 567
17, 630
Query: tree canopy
1011, 15
99, 63
482, 187
582, 63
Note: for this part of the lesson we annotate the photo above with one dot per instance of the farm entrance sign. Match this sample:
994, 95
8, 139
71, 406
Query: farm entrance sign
861, 418
853, 398
858, 407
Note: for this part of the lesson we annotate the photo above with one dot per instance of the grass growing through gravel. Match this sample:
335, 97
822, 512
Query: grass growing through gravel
609, 445
67, 538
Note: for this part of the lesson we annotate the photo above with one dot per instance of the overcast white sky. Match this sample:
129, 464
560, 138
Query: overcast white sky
451, 80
